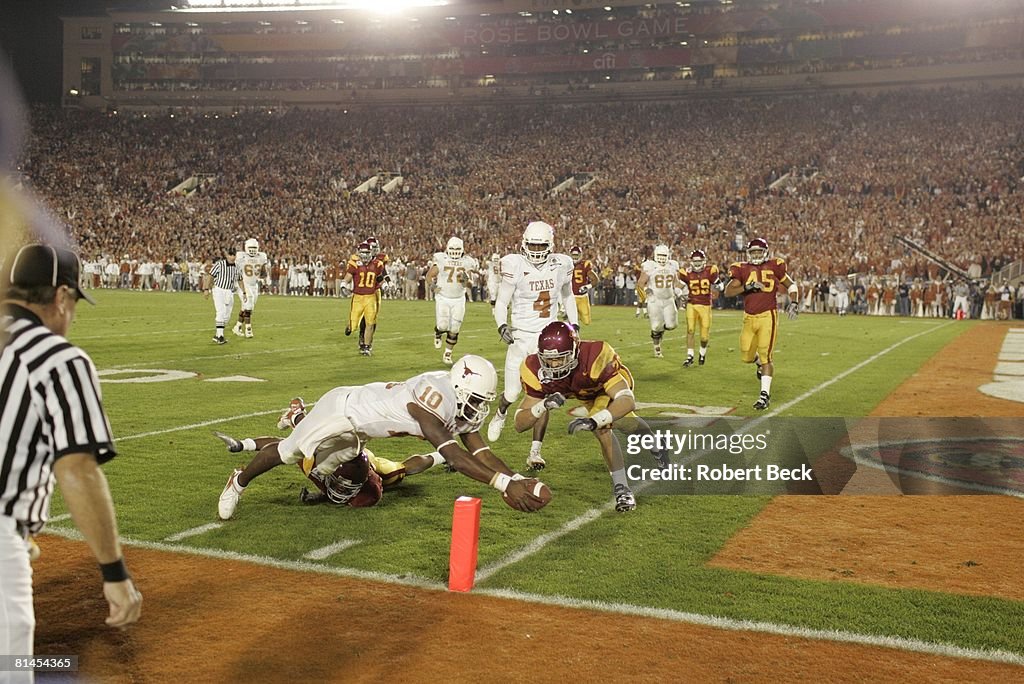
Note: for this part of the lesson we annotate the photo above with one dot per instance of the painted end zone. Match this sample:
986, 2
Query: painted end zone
959, 544
209, 619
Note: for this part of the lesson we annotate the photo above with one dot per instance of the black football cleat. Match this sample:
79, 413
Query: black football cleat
762, 401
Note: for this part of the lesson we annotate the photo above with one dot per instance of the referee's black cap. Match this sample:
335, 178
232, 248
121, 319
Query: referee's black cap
41, 265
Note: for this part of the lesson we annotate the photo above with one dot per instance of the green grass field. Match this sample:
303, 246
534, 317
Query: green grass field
170, 469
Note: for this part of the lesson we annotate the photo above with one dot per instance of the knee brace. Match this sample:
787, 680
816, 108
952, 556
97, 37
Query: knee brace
453, 339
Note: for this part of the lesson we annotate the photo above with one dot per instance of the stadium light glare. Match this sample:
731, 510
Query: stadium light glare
385, 6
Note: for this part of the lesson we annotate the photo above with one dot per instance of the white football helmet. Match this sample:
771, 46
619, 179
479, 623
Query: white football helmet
662, 254
454, 249
252, 247
538, 241
476, 386
495, 258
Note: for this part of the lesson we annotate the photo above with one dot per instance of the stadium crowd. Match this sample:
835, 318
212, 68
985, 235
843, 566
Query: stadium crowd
826, 179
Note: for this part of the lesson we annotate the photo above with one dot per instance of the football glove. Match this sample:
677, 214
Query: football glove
506, 332
754, 286
581, 424
584, 289
792, 310
553, 401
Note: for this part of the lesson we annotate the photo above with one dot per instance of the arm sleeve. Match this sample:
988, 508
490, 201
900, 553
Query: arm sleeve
75, 411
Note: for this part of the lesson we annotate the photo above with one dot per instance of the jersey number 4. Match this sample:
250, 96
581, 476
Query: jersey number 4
543, 304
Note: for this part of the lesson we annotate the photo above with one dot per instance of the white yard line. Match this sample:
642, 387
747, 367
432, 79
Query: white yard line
301, 566
194, 532
732, 624
896, 643
326, 552
205, 423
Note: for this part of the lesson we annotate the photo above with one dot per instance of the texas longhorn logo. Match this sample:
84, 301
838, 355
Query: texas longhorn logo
467, 371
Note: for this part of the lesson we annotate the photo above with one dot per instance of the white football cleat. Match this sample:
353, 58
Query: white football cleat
437, 343
495, 427
248, 330
233, 445
657, 351
447, 358
230, 496
535, 461
238, 329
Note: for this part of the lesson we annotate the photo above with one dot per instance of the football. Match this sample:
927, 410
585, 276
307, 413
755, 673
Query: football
539, 490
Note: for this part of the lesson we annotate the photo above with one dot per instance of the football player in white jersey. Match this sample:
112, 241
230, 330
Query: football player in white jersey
660, 277
533, 283
434, 406
252, 268
450, 272
493, 277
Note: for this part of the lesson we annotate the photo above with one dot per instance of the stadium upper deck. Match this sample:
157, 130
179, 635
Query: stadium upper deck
222, 52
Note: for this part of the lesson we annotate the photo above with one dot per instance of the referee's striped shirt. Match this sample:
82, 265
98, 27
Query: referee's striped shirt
225, 275
50, 406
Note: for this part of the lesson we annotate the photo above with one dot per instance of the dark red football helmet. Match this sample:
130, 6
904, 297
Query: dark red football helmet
558, 348
757, 251
364, 250
698, 260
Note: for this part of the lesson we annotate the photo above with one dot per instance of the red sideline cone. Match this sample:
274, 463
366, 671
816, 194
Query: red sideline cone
465, 540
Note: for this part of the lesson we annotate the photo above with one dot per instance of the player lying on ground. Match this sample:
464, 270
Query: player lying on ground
434, 406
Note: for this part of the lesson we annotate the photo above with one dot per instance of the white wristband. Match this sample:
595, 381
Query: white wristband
501, 481
603, 418
538, 409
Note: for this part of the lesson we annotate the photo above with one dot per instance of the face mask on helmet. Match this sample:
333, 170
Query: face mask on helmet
252, 247
661, 255
698, 260
558, 350
374, 246
757, 251
454, 249
538, 240
576, 253
475, 382
364, 251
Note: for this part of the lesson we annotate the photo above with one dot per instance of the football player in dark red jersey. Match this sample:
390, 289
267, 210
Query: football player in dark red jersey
362, 275
583, 280
701, 279
566, 368
758, 279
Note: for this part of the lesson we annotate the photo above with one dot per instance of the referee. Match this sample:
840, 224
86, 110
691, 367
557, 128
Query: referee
222, 281
52, 423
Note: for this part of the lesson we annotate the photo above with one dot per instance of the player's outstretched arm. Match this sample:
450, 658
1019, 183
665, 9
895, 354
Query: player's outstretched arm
517, 493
